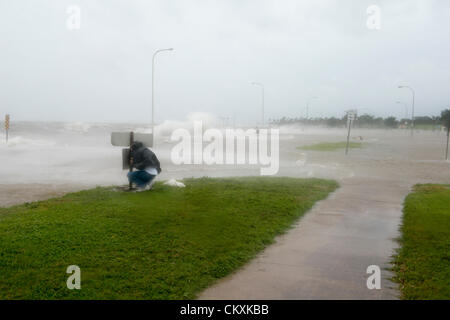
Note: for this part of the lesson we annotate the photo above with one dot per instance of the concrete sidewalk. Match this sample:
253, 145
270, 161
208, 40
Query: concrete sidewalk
326, 255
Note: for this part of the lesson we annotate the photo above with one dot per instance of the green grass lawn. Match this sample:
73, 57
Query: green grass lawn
422, 265
330, 146
168, 243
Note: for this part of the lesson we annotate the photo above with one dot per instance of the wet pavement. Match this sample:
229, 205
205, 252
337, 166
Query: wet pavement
326, 255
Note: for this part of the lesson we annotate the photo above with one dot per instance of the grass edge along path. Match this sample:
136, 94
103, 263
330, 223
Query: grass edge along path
168, 243
330, 146
422, 263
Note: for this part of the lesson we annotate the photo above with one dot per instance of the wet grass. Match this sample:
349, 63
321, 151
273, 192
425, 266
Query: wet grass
331, 146
422, 264
168, 243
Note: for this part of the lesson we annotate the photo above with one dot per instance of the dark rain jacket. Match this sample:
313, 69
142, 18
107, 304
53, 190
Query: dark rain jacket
144, 157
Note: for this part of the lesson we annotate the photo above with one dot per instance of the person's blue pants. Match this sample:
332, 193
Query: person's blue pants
141, 178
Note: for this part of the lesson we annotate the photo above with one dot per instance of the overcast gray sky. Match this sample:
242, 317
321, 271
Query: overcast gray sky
298, 49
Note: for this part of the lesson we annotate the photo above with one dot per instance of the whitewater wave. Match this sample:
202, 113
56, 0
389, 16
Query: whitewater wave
20, 141
81, 127
166, 128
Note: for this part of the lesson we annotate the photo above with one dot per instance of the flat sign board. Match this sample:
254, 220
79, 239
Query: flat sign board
351, 115
122, 139
126, 159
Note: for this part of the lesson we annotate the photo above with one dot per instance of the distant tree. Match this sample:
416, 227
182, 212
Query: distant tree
333, 122
391, 122
445, 119
378, 122
436, 120
404, 122
366, 120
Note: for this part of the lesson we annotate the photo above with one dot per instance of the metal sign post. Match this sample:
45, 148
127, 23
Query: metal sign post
351, 116
130, 158
7, 126
126, 139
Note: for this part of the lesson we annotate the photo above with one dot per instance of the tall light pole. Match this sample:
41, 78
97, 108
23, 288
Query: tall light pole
153, 90
262, 98
413, 101
406, 108
307, 106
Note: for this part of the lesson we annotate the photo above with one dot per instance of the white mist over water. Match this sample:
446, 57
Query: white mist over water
78, 152
60, 153
81, 153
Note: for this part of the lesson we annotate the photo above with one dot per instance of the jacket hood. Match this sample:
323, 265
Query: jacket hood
137, 145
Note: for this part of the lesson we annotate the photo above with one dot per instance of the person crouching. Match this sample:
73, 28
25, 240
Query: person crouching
147, 165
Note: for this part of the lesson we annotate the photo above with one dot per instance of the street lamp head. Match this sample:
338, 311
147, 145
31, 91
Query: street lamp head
161, 50
400, 87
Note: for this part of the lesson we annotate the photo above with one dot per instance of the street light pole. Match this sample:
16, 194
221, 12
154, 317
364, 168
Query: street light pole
262, 98
153, 90
413, 102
